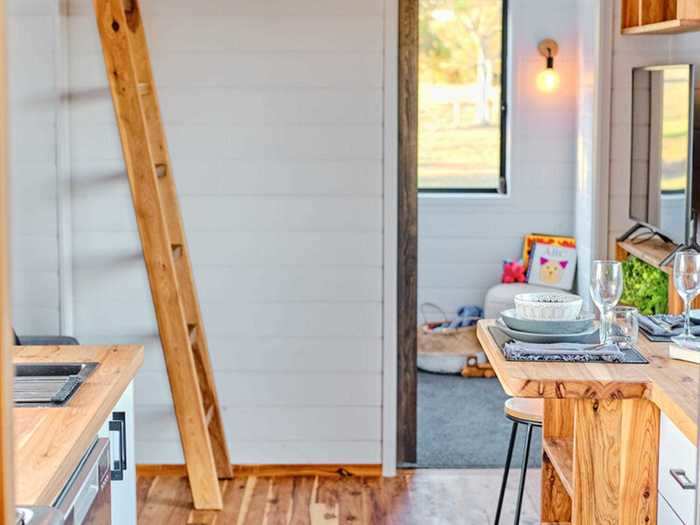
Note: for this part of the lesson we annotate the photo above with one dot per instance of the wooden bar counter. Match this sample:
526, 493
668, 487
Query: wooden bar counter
601, 429
49, 442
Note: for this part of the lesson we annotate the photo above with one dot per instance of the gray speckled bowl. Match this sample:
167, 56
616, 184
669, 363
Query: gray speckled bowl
545, 326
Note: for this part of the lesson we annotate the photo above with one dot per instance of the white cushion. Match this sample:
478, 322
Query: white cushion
501, 297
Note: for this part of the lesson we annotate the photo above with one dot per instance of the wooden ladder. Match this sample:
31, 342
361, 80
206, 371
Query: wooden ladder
164, 248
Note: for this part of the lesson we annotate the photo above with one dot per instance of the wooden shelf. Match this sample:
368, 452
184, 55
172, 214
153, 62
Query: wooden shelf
560, 452
651, 252
663, 28
658, 17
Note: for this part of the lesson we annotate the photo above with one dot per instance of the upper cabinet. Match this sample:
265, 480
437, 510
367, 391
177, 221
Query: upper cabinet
646, 17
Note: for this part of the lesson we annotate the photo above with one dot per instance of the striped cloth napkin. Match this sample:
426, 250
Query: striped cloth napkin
574, 352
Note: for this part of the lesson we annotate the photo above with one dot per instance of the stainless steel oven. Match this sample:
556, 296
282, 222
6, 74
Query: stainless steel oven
86, 498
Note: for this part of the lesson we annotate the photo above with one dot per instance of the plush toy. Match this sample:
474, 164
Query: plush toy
513, 272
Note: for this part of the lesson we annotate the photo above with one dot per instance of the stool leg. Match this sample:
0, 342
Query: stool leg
509, 456
523, 473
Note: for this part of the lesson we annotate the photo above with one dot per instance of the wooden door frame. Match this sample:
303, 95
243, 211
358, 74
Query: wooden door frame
7, 506
407, 261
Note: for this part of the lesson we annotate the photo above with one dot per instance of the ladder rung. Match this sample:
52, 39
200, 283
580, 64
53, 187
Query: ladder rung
161, 170
144, 88
209, 414
192, 329
177, 251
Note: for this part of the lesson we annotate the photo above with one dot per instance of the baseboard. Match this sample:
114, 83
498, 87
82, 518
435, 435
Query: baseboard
147, 470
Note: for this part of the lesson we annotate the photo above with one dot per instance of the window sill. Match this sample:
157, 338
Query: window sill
461, 196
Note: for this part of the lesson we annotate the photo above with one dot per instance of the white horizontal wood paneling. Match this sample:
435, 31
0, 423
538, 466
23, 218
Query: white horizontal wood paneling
279, 388
260, 423
293, 355
275, 126
275, 452
464, 239
33, 98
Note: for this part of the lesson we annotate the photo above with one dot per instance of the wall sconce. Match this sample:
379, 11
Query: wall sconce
548, 79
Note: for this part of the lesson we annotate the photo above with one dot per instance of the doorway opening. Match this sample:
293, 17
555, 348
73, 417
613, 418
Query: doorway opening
453, 106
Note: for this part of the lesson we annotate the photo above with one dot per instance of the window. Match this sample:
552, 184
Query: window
461, 96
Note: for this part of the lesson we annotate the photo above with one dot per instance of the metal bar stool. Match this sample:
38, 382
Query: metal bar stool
526, 412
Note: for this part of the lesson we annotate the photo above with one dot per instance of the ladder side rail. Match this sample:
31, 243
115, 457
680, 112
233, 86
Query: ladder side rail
139, 160
183, 265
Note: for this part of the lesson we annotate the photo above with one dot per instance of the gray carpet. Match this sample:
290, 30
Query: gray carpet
461, 424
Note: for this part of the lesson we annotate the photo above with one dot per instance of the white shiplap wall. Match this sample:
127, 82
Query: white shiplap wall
595, 19
33, 98
463, 240
274, 113
630, 52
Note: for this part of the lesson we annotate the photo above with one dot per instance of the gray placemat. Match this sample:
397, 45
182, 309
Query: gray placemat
655, 338
632, 356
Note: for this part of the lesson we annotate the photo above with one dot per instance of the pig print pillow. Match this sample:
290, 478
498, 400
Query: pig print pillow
553, 266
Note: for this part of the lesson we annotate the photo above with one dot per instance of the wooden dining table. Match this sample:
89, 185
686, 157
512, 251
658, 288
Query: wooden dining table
600, 431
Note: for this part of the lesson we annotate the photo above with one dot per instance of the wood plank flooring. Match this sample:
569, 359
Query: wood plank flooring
415, 497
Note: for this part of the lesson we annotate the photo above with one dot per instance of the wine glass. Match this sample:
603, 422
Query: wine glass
686, 276
606, 290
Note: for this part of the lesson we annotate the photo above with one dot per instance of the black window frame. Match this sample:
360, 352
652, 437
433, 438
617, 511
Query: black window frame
502, 177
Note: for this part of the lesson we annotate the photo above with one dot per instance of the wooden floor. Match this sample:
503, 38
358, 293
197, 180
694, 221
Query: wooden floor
425, 497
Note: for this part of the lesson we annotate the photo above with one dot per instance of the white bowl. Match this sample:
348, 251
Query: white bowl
548, 306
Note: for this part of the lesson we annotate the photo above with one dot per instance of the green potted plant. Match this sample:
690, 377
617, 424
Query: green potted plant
645, 287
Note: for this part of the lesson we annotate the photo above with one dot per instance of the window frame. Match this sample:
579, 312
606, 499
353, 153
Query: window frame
502, 189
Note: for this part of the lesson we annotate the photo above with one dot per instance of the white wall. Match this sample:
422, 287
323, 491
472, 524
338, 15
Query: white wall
33, 97
630, 52
463, 240
274, 112
592, 141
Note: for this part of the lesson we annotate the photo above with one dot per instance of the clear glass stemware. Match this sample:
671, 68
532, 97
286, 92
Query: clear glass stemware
686, 277
606, 290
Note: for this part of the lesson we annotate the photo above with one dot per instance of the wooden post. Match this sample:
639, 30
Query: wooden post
408, 230
615, 473
7, 505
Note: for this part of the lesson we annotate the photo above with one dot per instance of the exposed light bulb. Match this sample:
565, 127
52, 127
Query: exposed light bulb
548, 80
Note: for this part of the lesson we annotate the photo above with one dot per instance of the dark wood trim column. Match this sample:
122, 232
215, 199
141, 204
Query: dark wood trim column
408, 228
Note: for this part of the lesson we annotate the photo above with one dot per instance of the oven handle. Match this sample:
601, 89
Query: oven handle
118, 425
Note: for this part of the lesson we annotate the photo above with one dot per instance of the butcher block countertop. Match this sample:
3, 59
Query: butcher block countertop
49, 442
674, 386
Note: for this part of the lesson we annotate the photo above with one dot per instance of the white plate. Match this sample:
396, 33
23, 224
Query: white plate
695, 316
587, 336
547, 326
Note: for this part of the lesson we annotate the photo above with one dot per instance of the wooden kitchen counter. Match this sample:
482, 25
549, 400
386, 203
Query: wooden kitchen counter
600, 429
674, 386
49, 442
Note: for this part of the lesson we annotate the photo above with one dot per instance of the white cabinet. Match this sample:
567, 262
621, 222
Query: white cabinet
666, 515
119, 428
677, 475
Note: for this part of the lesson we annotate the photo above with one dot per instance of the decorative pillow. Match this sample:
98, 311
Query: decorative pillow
552, 265
514, 271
